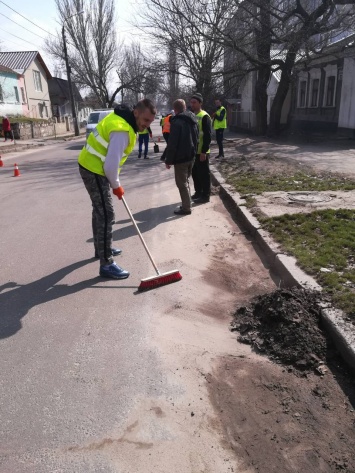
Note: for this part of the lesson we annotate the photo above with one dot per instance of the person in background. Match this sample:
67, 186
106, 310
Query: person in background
166, 130
180, 152
201, 168
6, 128
143, 137
166, 125
219, 125
100, 162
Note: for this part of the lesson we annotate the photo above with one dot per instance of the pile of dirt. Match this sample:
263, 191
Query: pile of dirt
285, 326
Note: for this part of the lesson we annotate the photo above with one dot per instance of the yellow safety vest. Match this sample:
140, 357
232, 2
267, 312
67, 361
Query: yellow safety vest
199, 117
93, 155
220, 123
143, 132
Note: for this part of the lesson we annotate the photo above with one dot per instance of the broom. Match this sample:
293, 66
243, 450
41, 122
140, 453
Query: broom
162, 278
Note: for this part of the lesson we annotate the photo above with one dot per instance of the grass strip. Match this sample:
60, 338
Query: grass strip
323, 242
256, 183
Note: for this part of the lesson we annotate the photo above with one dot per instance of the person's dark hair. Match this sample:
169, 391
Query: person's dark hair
179, 105
146, 103
124, 106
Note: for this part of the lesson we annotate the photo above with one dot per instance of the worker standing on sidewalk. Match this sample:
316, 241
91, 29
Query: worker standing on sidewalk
100, 162
201, 168
219, 125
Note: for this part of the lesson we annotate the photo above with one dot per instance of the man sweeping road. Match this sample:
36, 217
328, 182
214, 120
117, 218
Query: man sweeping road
100, 162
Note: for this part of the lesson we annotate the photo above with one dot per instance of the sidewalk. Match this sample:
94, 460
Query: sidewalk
20, 145
331, 155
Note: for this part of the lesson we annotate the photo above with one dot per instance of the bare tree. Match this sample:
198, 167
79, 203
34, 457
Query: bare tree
137, 73
92, 43
192, 53
264, 36
97, 59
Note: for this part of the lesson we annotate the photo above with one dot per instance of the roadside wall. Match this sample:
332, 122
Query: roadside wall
27, 131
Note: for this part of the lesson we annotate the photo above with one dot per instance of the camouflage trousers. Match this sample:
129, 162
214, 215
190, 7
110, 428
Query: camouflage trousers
103, 215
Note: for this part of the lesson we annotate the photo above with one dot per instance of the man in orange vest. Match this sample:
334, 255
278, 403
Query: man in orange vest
166, 125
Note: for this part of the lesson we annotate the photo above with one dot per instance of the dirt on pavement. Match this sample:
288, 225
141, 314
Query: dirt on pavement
293, 416
288, 405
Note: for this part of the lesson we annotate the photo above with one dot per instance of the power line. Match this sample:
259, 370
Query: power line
25, 40
40, 27
7, 40
18, 24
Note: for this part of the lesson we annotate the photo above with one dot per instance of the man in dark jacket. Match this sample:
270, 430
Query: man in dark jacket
180, 152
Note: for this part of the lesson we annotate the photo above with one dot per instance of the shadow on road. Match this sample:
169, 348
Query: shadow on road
146, 220
17, 300
76, 147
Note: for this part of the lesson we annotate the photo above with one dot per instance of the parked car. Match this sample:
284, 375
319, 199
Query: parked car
94, 118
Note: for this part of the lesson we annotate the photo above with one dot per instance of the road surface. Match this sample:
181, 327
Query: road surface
96, 377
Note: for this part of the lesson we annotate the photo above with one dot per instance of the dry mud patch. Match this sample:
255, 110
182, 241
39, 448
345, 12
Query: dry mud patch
295, 415
277, 422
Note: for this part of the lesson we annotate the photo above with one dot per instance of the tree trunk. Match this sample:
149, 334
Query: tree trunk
261, 98
281, 94
263, 46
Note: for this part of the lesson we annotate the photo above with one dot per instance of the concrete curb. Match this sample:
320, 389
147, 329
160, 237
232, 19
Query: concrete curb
341, 331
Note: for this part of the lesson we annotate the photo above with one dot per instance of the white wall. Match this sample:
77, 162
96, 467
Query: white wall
347, 104
10, 106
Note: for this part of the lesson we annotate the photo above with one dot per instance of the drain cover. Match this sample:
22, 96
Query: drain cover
308, 197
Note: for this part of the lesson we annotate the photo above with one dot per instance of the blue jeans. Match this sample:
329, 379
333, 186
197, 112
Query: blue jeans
143, 138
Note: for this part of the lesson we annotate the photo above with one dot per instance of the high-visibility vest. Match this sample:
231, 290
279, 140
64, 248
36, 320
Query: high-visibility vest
143, 132
220, 123
166, 124
93, 155
199, 117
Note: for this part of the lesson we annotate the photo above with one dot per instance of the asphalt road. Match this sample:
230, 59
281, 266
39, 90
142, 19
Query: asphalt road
90, 378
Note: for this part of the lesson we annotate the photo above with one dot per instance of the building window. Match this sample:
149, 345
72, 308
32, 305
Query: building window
302, 93
330, 91
37, 81
40, 109
23, 95
17, 97
314, 92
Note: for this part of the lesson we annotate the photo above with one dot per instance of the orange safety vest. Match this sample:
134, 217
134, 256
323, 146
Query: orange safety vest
166, 124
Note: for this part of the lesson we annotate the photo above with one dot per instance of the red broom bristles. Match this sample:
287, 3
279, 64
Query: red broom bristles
158, 281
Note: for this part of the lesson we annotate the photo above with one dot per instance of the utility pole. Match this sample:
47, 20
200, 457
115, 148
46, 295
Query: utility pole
73, 108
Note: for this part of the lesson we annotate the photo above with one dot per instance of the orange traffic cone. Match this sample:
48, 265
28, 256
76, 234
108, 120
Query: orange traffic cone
16, 171
1, 163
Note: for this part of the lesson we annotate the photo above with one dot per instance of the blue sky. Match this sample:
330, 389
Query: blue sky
18, 34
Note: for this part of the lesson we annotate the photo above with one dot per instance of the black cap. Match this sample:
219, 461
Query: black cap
198, 97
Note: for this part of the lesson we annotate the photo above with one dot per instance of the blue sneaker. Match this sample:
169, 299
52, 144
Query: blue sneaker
115, 252
113, 271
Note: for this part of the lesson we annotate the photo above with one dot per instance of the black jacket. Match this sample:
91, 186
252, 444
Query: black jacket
207, 133
183, 139
127, 114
